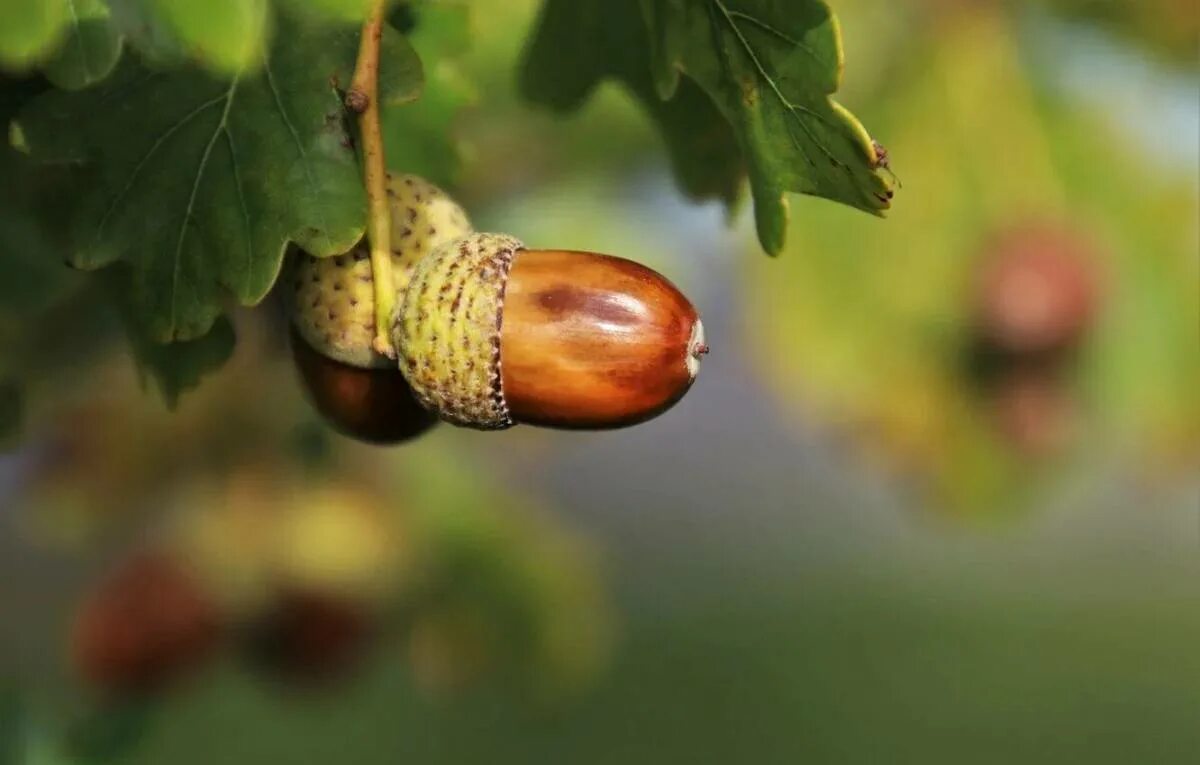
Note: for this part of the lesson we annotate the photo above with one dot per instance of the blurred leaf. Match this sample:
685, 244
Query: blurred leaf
226, 35
579, 44
174, 368
419, 136
108, 732
877, 323
178, 367
201, 186
512, 594
10, 414
345, 10
32, 272
90, 49
29, 29
12, 725
769, 67
138, 22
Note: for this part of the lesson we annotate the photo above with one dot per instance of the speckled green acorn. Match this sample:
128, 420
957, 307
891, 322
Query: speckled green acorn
333, 305
359, 392
490, 334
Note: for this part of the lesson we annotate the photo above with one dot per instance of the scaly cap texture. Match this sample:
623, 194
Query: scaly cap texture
447, 330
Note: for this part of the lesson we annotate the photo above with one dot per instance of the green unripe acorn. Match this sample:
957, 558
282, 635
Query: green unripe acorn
333, 302
360, 392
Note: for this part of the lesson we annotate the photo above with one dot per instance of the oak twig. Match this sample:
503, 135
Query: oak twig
363, 99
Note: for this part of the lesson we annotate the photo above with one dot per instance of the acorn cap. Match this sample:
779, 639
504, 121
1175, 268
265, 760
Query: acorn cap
447, 330
333, 300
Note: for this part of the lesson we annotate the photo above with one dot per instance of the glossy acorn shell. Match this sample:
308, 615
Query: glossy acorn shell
372, 405
593, 341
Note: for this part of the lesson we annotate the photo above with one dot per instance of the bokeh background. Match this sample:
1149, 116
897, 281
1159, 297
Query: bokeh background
934, 498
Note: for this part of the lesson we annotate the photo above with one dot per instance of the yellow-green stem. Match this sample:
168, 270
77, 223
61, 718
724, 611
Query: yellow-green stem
363, 98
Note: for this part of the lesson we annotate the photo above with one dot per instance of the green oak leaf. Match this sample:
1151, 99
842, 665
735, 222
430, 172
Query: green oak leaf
769, 66
90, 49
579, 43
419, 136
200, 183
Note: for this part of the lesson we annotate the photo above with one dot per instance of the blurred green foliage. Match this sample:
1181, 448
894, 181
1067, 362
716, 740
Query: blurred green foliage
876, 319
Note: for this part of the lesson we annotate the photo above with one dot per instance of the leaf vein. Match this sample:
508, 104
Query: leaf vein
237, 182
129, 183
314, 189
794, 109
187, 214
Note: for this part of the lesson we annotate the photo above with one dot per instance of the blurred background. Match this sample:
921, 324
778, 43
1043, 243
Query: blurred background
935, 496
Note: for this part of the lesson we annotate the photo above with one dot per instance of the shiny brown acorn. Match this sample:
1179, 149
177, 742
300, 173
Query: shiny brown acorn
372, 405
490, 334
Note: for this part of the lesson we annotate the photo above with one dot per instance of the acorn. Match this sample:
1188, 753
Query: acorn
309, 638
1034, 411
333, 303
147, 625
372, 405
490, 334
1037, 292
358, 391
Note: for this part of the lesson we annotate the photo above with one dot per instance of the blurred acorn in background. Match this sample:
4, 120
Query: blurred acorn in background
1038, 290
309, 638
148, 624
305, 566
1036, 300
1034, 410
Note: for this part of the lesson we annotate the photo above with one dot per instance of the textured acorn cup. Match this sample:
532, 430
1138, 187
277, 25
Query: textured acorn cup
491, 334
333, 300
372, 405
